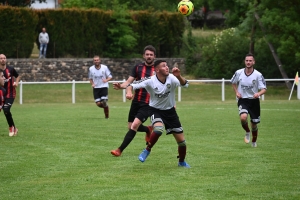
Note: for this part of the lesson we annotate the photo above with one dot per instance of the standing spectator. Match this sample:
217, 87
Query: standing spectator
248, 85
2, 90
44, 40
138, 112
11, 82
99, 76
162, 112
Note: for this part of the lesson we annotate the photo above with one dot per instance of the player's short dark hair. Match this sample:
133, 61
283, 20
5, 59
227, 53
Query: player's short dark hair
249, 54
157, 62
150, 48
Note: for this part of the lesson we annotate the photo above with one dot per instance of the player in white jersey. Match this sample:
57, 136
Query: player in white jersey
249, 85
161, 88
99, 75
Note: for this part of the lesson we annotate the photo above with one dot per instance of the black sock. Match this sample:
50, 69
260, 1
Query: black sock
142, 128
127, 139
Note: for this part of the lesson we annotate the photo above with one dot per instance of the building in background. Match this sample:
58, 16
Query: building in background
48, 4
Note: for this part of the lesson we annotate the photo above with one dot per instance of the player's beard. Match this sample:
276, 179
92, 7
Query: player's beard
149, 62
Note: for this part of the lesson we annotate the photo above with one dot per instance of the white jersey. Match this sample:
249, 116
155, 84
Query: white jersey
98, 74
248, 85
162, 95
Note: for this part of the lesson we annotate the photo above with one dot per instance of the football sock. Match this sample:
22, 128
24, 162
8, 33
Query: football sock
157, 132
245, 126
106, 112
142, 128
9, 119
127, 139
181, 151
254, 134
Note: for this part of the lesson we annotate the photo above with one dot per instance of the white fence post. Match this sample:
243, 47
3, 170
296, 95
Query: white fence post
223, 89
124, 93
73, 91
179, 94
21, 92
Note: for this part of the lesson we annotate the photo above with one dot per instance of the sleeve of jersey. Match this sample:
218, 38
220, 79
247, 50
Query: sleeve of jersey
108, 73
133, 71
15, 73
262, 83
141, 84
235, 77
89, 74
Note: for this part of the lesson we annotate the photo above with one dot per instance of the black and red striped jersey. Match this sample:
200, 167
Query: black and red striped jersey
139, 72
2, 96
10, 74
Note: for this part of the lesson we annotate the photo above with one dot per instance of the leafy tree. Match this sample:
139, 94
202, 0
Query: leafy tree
19, 3
121, 38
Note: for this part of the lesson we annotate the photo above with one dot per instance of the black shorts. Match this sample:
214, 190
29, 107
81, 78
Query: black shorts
251, 107
169, 118
100, 94
138, 110
8, 102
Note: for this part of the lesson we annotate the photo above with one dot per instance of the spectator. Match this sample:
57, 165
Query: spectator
44, 40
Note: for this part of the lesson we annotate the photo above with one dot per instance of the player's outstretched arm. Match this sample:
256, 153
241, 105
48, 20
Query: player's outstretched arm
177, 74
118, 86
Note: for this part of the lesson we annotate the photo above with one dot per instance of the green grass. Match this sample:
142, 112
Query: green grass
62, 150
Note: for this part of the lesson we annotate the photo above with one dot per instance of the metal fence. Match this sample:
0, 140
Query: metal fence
222, 81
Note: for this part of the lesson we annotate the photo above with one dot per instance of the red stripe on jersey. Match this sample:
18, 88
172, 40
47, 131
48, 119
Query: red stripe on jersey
143, 74
142, 71
1, 98
10, 90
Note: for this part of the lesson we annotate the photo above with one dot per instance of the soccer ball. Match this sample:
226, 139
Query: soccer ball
185, 7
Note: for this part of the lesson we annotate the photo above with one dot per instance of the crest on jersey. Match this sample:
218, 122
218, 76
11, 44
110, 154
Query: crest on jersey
168, 86
253, 82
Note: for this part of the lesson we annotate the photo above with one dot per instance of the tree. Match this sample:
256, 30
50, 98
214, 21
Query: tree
19, 3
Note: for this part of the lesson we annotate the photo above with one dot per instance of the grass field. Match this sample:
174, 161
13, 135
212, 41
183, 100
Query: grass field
62, 150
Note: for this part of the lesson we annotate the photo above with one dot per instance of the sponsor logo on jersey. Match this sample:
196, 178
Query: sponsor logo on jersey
162, 95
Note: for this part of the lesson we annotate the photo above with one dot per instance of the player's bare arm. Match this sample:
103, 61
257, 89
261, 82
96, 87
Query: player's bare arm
92, 83
16, 83
261, 92
118, 86
129, 94
177, 74
238, 95
106, 80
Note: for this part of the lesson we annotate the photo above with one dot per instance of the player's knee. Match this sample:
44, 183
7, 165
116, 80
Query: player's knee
6, 108
254, 128
158, 130
104, 103
182, 144
243, 117
99, 104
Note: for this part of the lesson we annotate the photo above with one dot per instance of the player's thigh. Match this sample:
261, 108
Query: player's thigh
254, 111
243, 106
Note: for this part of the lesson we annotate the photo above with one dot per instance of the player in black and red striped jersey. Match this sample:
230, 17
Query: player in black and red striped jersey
138, 113
11, 82
2, 90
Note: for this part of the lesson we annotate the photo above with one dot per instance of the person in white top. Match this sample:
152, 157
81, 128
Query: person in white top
162, 112
43, 40
99, 75
248, 85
